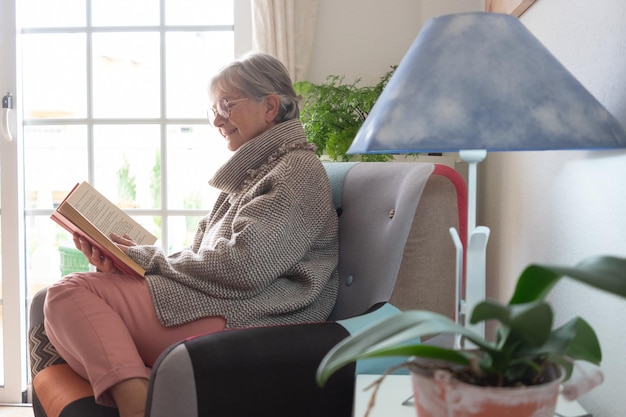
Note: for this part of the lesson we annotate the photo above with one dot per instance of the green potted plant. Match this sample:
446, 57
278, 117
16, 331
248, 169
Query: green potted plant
332, 113
528, 355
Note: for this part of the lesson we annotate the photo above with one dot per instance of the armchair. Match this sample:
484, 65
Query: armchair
395, 253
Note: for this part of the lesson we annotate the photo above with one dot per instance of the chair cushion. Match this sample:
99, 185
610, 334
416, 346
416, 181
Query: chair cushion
336, 176
379, 201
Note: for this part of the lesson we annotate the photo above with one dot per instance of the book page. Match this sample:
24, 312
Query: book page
106, 216
79, 224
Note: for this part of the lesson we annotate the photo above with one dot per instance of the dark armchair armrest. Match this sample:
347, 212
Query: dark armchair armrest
265, 371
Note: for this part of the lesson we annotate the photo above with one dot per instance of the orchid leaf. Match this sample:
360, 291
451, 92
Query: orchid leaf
525, 341
575, 340
390, 333
606, 273
585, 345
557, 343
423, 351
530, 322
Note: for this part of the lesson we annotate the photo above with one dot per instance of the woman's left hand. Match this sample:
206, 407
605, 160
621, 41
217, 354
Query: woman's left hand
122, 242
94, 256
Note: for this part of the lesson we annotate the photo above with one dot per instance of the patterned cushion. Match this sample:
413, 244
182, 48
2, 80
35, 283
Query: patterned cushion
42, 353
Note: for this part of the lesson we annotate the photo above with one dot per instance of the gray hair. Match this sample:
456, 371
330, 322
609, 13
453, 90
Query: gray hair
256, 75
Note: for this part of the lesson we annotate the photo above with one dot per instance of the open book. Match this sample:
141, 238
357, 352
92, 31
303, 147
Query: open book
87, 212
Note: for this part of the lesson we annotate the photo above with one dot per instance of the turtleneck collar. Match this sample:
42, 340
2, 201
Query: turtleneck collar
254, 153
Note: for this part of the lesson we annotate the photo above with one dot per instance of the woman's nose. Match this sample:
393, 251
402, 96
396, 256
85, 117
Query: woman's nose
219, 120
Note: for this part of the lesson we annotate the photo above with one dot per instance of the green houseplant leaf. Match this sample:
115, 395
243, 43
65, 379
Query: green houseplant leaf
526, 342
530, 322
387, 338
332, 113
603, 272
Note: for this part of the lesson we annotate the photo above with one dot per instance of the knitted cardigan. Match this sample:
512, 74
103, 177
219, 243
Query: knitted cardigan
267, 253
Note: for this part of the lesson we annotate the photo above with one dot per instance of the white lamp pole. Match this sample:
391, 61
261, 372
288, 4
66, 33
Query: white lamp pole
476, 254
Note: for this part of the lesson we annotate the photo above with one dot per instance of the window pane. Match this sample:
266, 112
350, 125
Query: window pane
181, 231
194, 154
152, 224
44, 186
54, 76
44, 238
46, 13
127, 163
125, 12
199, 12
126, 75
192, 58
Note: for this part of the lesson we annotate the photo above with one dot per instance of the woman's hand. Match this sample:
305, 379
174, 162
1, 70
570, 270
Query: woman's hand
122, 242
96, 257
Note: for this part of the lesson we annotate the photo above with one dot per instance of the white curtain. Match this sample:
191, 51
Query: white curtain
285, 29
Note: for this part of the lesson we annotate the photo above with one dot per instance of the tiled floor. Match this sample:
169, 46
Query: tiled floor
6, 411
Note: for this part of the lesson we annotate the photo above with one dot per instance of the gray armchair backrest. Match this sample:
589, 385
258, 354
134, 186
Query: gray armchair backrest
394, 241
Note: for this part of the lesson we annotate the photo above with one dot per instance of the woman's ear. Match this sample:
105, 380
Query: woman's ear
272, 104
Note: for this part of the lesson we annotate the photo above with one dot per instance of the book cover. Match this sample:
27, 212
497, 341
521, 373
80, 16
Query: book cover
87, 212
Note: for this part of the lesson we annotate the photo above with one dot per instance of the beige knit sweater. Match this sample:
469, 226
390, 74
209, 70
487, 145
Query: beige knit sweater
267, 253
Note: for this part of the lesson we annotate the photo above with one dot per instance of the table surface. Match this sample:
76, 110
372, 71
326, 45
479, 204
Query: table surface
396, 389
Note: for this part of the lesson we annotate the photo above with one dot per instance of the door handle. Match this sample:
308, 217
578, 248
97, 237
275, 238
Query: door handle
7, 106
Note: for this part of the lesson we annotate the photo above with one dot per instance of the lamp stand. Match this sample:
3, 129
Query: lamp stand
476, 251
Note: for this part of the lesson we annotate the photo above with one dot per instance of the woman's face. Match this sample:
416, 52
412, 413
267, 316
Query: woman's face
248, 118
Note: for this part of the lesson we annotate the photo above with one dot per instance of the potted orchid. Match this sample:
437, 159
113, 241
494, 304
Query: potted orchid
526, 363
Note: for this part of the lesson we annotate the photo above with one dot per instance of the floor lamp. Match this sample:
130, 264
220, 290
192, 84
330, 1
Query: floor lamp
475, 83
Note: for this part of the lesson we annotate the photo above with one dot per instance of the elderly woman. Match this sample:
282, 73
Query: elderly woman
266, 254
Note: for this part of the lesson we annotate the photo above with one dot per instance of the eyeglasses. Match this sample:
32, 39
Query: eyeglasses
223, 109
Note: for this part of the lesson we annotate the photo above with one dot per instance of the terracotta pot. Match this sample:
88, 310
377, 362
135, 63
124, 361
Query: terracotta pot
441, 395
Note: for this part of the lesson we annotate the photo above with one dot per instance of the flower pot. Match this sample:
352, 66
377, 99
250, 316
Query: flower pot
439, 394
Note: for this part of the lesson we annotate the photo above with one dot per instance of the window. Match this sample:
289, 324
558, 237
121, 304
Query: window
112, 92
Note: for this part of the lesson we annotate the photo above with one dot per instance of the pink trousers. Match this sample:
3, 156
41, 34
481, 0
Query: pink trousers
105, 327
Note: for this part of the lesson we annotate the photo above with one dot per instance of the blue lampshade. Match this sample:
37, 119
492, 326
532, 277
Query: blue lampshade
479, 82
483, 81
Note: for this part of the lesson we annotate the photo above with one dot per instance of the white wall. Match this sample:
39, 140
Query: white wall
364, 38
561, 207
361, 39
